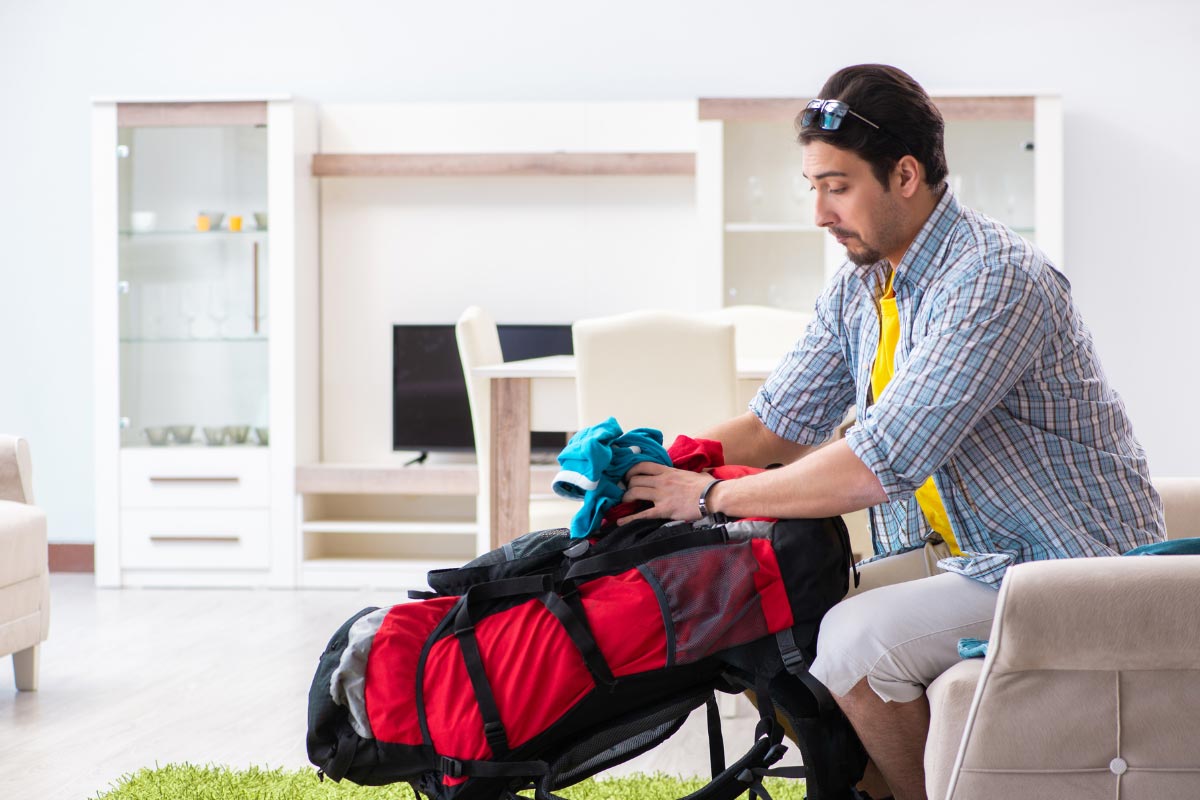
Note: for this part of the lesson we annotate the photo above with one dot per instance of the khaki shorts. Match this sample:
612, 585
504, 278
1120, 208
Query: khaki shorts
900, 628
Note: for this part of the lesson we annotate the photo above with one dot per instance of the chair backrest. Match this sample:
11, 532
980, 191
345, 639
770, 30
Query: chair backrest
1089, 683
764, 331
657, 369
478, 346
1181, 505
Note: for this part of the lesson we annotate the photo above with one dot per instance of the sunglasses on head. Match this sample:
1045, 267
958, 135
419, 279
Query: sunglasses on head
828, 115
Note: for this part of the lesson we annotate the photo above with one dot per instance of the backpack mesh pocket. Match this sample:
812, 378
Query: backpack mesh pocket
712, 597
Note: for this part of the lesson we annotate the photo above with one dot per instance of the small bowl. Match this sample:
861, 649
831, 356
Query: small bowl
214, 219
263, 435
237, 433
157, 436
260, 220
182, 434
215, 437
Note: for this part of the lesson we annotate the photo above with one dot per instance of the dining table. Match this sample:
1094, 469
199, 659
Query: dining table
538, 394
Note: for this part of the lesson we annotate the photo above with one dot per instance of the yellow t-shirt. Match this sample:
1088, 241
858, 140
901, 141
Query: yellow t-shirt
881, 374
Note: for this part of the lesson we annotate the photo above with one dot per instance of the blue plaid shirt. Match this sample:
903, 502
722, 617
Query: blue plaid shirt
998, 394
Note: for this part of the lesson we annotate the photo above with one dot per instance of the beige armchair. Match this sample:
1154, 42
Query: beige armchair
1091, 687
24, 571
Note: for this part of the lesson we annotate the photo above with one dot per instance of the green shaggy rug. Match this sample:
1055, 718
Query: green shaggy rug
190, 782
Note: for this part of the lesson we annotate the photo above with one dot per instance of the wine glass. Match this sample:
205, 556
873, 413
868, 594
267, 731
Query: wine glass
218, 308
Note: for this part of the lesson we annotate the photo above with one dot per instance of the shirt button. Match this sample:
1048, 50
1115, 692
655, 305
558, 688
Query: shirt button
1118, 766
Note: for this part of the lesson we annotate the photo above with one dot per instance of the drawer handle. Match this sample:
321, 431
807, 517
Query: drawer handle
194, 539
193, 479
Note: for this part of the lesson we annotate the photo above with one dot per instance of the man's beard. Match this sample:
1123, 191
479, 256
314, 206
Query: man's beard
865, 257
889, 234
868, 255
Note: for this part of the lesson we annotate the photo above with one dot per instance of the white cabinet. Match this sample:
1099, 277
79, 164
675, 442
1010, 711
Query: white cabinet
759, 242
205, 308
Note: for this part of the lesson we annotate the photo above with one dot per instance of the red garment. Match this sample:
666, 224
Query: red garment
694, 455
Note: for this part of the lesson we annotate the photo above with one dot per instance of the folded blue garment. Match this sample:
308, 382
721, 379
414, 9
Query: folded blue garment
1170, 547
594, 464
972, 648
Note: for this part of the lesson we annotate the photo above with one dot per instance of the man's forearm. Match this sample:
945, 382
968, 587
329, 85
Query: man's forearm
746, 441
829, 481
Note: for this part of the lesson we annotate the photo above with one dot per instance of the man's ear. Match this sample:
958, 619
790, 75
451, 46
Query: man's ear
909, 174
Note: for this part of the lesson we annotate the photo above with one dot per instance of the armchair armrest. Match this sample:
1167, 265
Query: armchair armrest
16, 470
1120, 613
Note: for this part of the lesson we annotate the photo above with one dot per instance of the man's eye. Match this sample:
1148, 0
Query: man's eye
837, 190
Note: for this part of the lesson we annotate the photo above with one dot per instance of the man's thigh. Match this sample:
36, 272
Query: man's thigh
901, 636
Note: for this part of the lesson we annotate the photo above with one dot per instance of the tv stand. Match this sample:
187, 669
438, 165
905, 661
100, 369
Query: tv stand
387, 525
421, 458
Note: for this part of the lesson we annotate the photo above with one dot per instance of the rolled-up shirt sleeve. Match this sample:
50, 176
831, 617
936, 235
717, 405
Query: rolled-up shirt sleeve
807, 395
986, 332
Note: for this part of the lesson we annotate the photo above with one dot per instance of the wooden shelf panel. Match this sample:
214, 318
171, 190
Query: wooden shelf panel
389, 527
418, 479
785, 109
426, 479
160, 115
327, 165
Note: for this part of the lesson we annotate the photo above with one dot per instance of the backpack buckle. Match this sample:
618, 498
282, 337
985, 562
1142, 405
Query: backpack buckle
494, 733
450, 767
775, 753
792, 658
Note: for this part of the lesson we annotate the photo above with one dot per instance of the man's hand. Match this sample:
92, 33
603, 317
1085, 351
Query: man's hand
675, 493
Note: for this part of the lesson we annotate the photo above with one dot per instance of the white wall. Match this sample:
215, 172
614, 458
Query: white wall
1127, 73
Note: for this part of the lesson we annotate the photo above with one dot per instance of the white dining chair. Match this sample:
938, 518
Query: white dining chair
659, 369
764, 331
479, 346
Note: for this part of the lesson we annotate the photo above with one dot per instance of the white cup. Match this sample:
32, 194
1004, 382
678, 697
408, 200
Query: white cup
142, 221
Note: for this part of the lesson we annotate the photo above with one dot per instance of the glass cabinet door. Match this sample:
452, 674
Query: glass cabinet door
192, 261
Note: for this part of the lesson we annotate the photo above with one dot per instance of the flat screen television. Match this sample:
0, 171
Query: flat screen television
430, 411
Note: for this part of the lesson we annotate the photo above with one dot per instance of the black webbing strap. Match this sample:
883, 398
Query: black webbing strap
716, 741
793, 659
825, 701
581, 637
621, 560
434, 636
347, 746
456, 768
493, 728
508, 587
464, 630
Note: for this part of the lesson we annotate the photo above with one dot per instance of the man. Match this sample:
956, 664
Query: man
987, 432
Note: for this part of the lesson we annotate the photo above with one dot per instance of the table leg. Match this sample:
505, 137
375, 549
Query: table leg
509, 460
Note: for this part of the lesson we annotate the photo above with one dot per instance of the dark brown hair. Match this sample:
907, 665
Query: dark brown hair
895, 102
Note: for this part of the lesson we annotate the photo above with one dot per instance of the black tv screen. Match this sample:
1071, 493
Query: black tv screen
430, 410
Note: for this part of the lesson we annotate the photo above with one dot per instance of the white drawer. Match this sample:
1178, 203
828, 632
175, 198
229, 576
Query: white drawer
152, 539
195, 477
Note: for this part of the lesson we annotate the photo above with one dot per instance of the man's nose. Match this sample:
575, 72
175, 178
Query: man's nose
825, 217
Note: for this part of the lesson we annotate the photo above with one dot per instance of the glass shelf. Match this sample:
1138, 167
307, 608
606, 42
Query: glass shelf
190, 339
255, 235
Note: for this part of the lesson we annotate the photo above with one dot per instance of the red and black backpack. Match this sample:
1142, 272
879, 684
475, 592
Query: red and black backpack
546, 661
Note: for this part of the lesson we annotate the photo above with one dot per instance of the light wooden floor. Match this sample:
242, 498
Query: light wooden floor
134, 677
